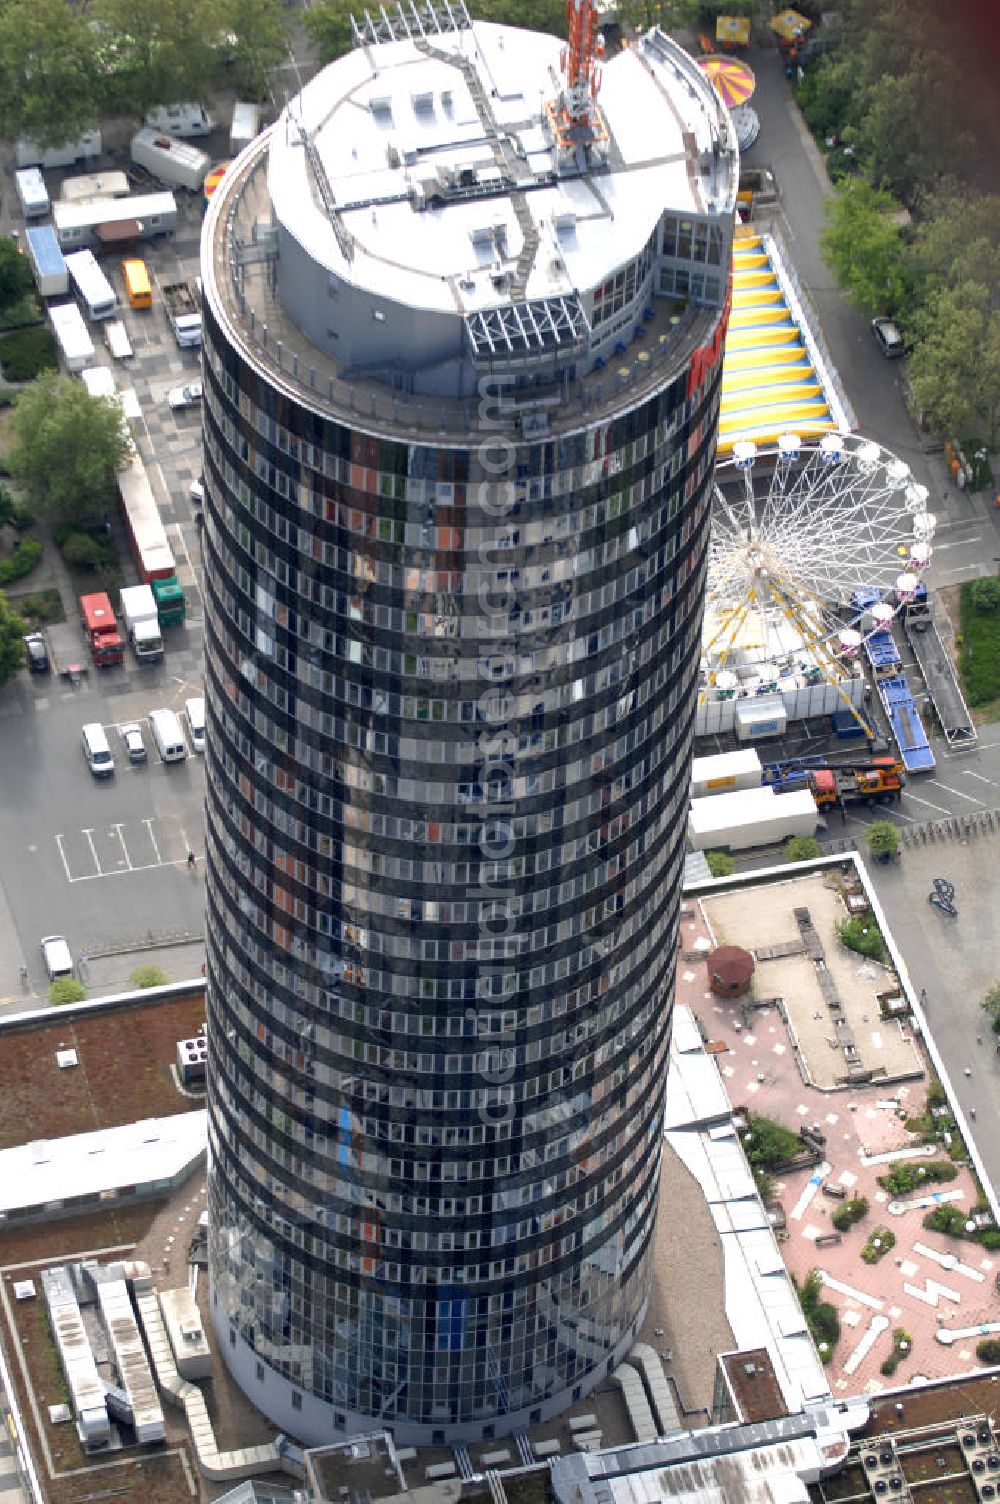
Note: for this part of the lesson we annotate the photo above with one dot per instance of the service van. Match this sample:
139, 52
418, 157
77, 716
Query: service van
138, 287
167, 735
57, 956
32, 192
96, 750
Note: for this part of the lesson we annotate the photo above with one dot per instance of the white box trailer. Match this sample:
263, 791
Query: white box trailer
71, 336
32, 192
99, 381
141, 217
184, 119
47, 262
85, 147
90, 185
117, 340
760, 715
725, 772
245, 126
170, 160
92, 286
750, 817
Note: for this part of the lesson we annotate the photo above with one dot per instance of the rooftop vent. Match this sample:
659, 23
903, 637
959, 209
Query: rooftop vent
380, 106
422, 103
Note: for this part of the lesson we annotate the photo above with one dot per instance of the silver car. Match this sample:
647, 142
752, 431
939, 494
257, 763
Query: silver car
135, 747
185, 396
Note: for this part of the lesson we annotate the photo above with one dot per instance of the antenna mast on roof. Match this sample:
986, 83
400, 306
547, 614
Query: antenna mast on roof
576, 123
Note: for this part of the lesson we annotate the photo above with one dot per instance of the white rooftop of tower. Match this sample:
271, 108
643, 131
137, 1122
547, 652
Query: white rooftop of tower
458, 118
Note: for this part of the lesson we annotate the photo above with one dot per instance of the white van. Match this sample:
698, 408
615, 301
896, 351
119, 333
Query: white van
167, 735
181, 120
32, 192
117, 340
96, 750
194, 713
57, 956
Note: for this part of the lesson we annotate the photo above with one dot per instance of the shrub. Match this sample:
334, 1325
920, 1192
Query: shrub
81, 551
768, 1144
880, 1240
41, 607
882, 838
988, 1351
28, 352
902, 1347
988, 1237
862, 935
821, 1317
946, 1219
720, 863
21, 562
66, 990
148, 976
850, 1212
984, 595
904, 1176
802, 849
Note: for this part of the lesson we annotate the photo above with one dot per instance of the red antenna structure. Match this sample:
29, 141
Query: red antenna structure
574, 118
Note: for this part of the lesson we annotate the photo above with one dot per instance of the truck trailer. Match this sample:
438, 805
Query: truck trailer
171, 161
47, 262
725, 772
30, 154
153, 556
71, 336
750, 817
142, 622
184, 312
32, 192
101, 630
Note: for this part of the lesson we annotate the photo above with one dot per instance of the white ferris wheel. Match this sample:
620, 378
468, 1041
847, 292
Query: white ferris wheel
815, 544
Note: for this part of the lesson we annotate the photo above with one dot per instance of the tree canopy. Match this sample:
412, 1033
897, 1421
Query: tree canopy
49, 87
67, 448
15, 275
861, 244
12, 630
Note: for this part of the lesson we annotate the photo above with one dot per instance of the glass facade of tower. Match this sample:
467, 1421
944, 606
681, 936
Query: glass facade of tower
450, 703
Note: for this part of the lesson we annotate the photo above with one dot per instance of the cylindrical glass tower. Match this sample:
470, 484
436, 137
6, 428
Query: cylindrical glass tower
457, 503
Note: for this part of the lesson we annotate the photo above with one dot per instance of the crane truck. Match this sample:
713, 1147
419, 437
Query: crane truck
835, 785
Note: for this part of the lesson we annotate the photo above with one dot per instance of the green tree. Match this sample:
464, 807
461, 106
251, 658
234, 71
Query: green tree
720, 863
12, 630
156, 53
328, 22
148, 976
882, 838
860, 242
954, 366
802, 849
984, 596
991, 1006
49, 86
15, 275
256, 33
67, 448
66, 990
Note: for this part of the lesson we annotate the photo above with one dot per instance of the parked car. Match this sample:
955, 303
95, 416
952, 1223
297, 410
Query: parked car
185, 396
888, 338
135, 747
57, 956
37, 652
194, 714
198, 490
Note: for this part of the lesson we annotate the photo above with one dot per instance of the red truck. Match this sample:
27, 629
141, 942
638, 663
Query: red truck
101, 630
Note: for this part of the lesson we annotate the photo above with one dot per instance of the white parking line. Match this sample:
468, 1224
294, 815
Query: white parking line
940, 809
90, 841
117, 830
62, 855
949, 790
152, 839
981, 779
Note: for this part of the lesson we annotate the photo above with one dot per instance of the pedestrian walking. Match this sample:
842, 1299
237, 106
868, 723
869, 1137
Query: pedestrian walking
923, 997
24, 983
192, 859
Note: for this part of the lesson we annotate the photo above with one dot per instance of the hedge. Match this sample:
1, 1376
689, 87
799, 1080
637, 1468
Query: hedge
28, 352
21, 562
